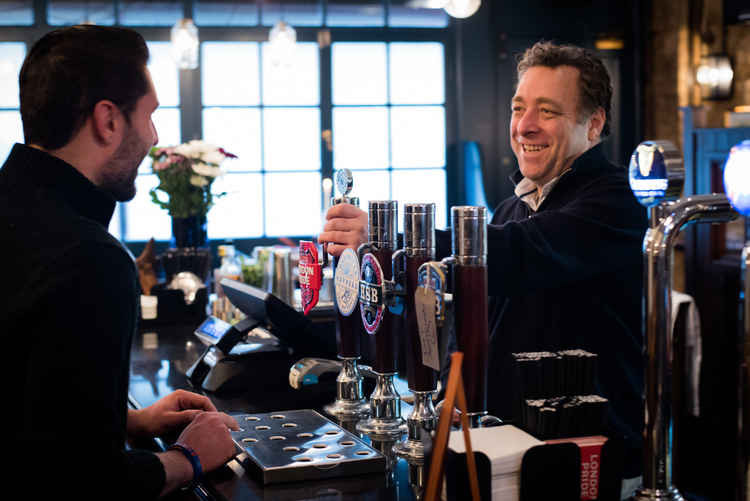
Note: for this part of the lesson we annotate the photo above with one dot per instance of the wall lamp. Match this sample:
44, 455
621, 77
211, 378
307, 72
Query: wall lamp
715, 76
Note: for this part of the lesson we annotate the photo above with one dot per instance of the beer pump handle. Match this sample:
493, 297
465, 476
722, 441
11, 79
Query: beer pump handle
448, 265
364, 249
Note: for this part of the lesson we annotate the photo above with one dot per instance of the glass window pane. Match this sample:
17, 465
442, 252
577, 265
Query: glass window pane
225, 13
355, 13
237, 130
417, 136
64, 12
16, 12
144, 218
403, 14
11, 132
291, 138
294, 81
149, 13
295, 13
229, 73
167, 123
239, 213
360, 138
293, 204
164, 73
359, 73
417, 73
11, 59
424, 185
371, 185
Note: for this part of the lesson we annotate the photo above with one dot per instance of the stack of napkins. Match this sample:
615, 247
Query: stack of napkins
505, 447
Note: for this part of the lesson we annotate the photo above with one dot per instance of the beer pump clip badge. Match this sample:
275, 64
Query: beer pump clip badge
310, 275
346, 282
371, 290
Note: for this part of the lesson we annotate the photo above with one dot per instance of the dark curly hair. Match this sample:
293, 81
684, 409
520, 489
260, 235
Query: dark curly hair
594, 83
71, 69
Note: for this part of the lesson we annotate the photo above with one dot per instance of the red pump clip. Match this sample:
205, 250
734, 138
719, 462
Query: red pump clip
310, 274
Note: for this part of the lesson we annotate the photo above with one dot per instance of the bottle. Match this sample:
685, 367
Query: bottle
230, 267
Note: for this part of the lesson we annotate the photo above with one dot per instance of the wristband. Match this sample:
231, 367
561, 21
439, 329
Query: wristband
190, 454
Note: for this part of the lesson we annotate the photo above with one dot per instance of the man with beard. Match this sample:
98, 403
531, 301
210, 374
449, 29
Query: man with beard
69, 319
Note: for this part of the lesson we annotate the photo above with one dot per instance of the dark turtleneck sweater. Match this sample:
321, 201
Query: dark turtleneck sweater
68, 314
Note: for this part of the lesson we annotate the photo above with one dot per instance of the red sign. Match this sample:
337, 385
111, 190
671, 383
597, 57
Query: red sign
310, 275
591, 458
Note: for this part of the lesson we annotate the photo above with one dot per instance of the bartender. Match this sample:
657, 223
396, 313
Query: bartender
564, 252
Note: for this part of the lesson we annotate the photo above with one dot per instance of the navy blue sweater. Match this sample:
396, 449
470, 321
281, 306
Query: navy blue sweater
570, 276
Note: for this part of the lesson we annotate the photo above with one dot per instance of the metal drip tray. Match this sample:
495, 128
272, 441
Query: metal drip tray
289, 446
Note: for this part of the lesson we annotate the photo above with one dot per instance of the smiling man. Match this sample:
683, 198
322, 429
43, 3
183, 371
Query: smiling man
564, 253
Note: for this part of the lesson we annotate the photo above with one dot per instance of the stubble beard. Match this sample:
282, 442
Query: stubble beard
122, 169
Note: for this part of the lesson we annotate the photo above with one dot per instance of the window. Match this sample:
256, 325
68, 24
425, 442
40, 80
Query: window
389, 121
11, 131
378, 93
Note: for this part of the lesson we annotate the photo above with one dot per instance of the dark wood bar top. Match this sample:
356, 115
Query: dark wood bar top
159, 360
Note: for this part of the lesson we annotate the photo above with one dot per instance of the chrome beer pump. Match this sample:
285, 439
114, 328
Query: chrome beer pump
469, 244
454, 291
376, 295
656, 178
350, 403
737, 186
419, 248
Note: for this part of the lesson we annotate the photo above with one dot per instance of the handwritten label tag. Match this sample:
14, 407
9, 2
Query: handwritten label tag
424, 301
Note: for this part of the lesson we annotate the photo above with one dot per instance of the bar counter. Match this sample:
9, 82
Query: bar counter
159, 360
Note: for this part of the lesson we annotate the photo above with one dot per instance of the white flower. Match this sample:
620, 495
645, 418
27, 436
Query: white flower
213, 157
206, 170
195, 148
198, 181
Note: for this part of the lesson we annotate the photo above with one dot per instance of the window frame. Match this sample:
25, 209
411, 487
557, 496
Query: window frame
191, 106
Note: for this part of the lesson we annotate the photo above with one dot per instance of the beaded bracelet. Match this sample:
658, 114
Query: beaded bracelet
190, 454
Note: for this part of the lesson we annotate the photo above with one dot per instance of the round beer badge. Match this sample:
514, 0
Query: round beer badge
371, 303
346, 282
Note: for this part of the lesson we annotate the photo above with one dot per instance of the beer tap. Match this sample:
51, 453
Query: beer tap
656, 177
376, 294
350, 403
418, 249
469, 244
737, 187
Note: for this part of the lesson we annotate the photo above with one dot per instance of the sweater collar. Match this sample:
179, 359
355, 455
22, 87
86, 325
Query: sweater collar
589, 159
82, 195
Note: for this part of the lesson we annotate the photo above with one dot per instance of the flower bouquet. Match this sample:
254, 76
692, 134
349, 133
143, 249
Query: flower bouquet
185, 174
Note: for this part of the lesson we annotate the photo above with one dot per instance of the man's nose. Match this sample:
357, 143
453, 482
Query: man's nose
528, 123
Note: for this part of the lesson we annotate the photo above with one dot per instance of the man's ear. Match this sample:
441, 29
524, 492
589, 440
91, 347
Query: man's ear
106, 122
596, 124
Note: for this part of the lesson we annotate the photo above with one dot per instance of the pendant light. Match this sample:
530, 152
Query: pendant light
281, 42
184, 38
462, 8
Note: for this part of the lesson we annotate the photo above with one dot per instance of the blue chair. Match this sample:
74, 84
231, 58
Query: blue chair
472, 174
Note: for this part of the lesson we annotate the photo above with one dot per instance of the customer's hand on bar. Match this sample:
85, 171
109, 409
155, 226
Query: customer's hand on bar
208, 436
346, 226
169, 414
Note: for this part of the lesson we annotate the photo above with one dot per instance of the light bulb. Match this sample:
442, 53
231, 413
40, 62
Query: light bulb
282, 39
737, 177
462, 8
184, 38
